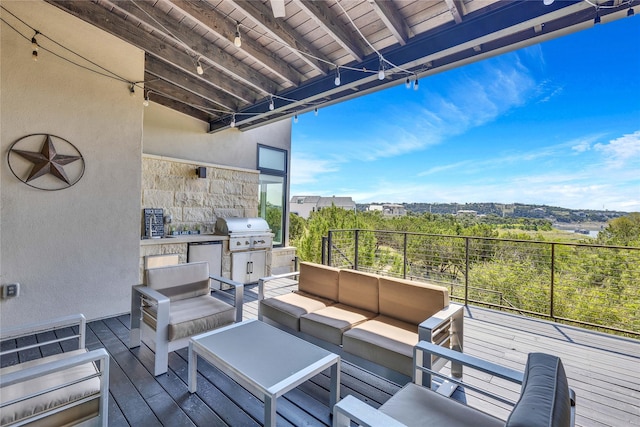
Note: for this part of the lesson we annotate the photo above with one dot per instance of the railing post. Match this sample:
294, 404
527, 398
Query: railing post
404, 261
553, 273
466, 271
329, 247
324, 250
356, 236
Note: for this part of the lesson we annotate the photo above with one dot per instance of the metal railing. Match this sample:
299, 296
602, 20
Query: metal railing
589, 285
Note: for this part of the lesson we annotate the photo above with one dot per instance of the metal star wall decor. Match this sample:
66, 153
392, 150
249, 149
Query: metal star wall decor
46, 162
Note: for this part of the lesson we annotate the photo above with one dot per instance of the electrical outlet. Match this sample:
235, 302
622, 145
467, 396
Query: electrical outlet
11, 290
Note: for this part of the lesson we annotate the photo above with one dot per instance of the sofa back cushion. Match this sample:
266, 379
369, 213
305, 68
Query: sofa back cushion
545, 399
320, 280
180, 281
359, 290
409, 301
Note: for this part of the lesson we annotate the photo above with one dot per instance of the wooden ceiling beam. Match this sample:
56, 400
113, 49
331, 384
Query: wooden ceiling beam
169, 91
182, 108
218, 24
456, 8
197, 86
326, 19
207, 51
279, 30
132, 33
390, 16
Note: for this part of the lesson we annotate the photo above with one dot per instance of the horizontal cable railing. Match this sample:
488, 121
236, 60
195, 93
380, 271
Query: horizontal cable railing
590, 285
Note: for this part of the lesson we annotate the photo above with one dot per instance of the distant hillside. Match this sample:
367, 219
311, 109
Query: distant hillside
516, 210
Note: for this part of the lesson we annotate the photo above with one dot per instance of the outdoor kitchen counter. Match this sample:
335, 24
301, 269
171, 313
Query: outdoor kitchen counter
185, 238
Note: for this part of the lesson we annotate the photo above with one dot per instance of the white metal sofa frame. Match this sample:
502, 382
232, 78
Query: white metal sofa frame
545, 398
158, 339
67, 373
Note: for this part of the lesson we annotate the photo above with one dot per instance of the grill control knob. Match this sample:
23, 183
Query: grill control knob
238, 243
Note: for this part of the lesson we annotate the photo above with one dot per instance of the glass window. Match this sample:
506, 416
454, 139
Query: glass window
272, 158
272, 163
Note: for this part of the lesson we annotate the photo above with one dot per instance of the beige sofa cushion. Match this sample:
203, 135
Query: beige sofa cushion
288, 308
383, 340
413, 405
193, 316
359, 290
180, 281
319, 280
409, 301
329, 323
53, 399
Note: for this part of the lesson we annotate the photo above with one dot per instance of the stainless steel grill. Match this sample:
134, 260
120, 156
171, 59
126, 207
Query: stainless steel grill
245, 234
249, 240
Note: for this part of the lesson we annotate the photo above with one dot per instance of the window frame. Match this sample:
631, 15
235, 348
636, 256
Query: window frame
284, 174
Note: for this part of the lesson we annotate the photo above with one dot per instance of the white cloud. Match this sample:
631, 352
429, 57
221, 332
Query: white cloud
306, 170
443, 168
476, 99
582, 147
621, 150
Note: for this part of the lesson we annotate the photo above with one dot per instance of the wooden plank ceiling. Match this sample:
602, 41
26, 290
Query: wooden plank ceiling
283, 66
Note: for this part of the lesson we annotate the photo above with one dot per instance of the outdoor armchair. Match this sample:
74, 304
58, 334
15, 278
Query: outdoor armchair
175, 304
65, 388
545, 397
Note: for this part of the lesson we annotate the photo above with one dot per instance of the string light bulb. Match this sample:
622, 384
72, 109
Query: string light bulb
381, 74
596, 20
315, 111
132, 90
415, 84
199, 68
630, 12
237, 41
34, 46
407, 83
146, 100
233, 120
337, 79
295, 119
271, 104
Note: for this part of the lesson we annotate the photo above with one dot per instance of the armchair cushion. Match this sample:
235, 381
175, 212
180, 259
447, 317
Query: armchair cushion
192, 316
180, 281
413, 405
320, 280
385, 341
359, 290
53, 399
544, 399
288, 308
331, 322
410, 301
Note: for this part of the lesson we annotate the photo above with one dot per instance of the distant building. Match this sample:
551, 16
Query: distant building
389, 209
466, 212
304, 205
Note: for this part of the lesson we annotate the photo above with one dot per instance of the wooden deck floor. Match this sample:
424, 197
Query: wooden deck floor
604, 371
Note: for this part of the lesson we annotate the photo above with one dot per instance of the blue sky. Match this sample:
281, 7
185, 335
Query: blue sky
557, 123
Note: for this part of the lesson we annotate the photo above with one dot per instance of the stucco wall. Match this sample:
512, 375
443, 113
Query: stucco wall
74, 250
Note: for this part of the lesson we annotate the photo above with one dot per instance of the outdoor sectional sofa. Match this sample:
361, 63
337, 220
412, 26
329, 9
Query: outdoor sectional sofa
374, 318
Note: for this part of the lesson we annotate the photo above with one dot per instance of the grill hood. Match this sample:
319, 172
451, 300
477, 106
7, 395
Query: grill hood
244, 226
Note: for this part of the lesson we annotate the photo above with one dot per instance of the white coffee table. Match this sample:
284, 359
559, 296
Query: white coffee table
265, 360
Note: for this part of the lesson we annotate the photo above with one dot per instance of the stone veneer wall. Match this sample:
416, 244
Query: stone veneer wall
196, 203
